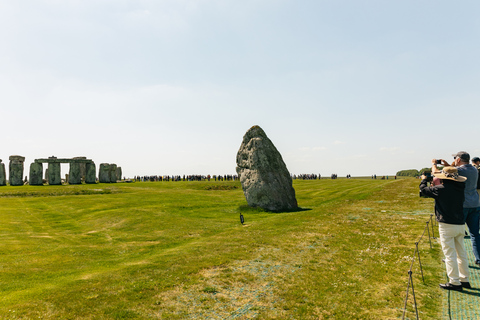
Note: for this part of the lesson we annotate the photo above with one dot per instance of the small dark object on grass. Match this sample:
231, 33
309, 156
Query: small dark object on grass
241, 218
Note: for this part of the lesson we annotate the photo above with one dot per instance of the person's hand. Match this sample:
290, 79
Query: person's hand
434, 161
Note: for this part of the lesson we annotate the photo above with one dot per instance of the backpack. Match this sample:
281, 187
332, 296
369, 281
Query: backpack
478, 180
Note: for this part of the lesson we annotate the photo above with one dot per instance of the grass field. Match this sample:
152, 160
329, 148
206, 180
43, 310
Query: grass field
177, 250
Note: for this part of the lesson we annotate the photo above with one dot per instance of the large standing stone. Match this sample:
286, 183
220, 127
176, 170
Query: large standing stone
83, 167
90, 172
265, 179
75, 173
113, 173
54, 177
104, 173
16, 170
36, 174
3, 176
119, 173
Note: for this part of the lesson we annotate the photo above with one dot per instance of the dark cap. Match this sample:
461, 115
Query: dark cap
462, 155
475, 159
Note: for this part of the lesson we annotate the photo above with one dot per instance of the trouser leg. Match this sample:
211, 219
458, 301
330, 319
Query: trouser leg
472, 218
447, 239
462, 258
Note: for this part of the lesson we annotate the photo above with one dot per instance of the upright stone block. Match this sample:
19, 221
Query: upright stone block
83, 167
75, 173
119, 173
104, 173
3, 176
265, 179
113, 173
36, 174
16, 170
54, 177
90, 173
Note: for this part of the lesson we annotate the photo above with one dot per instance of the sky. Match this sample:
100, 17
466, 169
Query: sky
169, 87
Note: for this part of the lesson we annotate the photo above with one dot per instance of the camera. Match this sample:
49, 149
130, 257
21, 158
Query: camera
428, 178
428, 175
439, 161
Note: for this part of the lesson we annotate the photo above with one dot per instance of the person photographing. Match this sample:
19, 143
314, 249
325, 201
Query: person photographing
449, 197
471, 204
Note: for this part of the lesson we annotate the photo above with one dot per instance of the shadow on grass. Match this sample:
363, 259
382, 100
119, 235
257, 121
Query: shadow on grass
473, 292
248, 209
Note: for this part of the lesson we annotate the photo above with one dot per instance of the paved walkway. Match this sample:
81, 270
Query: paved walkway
466, 304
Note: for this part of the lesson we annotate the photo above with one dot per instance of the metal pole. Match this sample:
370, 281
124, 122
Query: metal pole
433, 223
420, 262
406, 296
413, 292
429, 239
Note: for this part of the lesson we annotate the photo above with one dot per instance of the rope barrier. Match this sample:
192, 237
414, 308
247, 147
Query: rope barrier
416, 254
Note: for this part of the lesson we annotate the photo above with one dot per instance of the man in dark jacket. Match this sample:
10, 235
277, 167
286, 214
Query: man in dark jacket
449, 197
476, 164
471, 204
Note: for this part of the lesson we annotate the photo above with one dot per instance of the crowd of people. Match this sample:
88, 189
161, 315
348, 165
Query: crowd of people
225, 177
307, 176
457, 202
313, 176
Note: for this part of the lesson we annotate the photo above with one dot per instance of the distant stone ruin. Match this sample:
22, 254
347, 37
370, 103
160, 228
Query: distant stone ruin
3, 176
53, 174
81, 169
16, 170
266, 182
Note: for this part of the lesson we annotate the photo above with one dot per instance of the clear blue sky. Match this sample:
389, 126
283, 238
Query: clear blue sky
171, 86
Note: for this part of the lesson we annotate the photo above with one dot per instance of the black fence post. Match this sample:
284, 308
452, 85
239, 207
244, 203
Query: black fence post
410, 280
410, 273
413, 293
420, 262
406, 296
433, 223
429, 239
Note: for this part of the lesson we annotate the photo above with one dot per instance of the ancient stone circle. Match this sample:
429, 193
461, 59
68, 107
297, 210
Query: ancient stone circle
81, 169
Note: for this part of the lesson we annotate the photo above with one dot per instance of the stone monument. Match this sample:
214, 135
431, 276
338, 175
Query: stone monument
16, 170
54, 177
119, 173
83, 167
75, 173
3, 176
113, 173
265, 179
90, 172
104, 173
36, 174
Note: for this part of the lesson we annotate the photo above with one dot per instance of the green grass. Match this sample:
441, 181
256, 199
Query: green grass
177, 250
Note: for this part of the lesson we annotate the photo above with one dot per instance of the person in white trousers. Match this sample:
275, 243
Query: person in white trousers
449, 197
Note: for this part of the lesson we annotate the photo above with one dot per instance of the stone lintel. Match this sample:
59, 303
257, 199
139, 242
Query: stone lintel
59, 160
19, 158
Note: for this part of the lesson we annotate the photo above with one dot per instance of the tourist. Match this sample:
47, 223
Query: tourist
449, 197
476, 164
471, 205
